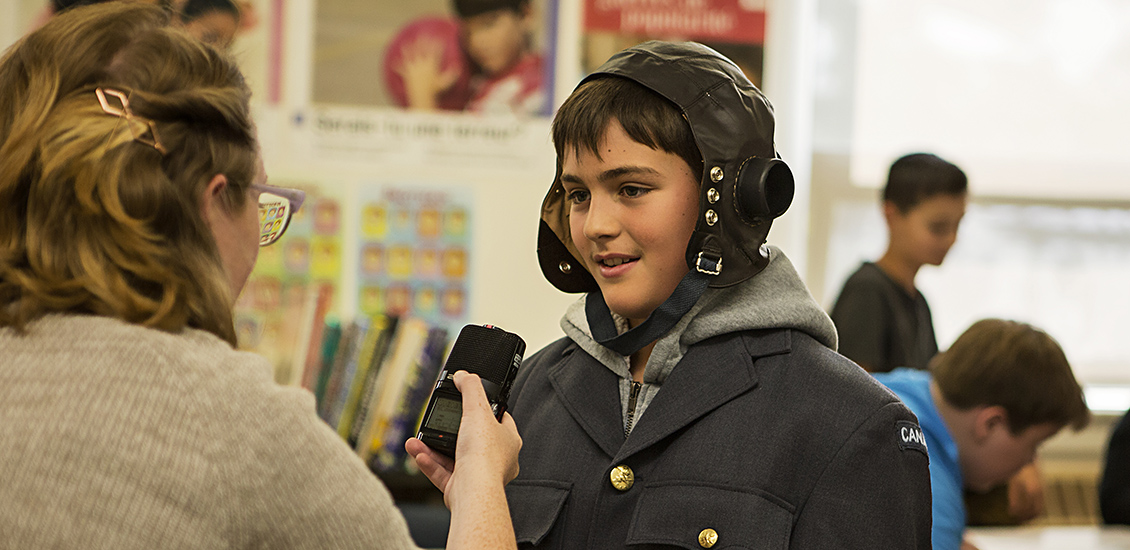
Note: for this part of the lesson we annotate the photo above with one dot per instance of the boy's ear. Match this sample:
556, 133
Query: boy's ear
988, 420
890, 211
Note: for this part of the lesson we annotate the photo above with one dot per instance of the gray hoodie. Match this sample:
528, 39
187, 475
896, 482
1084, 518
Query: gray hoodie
775, 298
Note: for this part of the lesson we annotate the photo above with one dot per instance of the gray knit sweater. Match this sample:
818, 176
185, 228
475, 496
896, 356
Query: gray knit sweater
117, 436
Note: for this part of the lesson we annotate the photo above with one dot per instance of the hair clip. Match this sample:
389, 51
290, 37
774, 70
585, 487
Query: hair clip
125, 112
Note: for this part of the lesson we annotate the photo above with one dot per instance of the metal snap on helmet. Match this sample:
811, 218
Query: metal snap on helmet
744, 185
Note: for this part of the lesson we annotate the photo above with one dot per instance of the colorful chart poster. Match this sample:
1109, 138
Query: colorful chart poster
292, 277
736, 28
415, 253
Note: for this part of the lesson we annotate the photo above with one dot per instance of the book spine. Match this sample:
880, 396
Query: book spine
345, 382
411, 336
331, 340
304, 336
377, 326
311, 366
364, 405
349, 337
416, 389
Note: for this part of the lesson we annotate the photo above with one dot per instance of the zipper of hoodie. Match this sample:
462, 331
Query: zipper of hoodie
632, 395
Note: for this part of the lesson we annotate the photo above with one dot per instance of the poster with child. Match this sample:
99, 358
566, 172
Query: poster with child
480, 56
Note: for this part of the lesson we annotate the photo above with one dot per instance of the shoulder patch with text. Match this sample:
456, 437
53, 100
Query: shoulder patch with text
910, 437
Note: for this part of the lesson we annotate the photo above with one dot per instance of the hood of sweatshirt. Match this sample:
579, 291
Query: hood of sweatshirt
774, 299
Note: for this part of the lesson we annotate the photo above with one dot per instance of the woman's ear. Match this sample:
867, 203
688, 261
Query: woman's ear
211, 202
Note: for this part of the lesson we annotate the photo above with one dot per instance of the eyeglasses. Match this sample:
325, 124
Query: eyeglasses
276, 206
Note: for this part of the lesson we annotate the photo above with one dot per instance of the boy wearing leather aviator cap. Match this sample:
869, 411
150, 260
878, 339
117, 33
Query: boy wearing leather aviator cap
696, 399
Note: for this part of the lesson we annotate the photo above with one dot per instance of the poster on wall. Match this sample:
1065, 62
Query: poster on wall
442, 82
478, 56
735, 28
415, 252
249, 30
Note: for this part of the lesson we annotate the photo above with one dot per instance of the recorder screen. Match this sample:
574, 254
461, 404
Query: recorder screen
445, 415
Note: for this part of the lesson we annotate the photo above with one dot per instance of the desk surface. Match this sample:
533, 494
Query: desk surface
1091, 537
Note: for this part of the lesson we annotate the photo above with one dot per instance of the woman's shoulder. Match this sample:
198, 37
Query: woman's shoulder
192, 358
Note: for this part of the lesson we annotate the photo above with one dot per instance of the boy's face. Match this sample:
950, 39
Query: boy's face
925, 234
495, 40
999, 454
632, 212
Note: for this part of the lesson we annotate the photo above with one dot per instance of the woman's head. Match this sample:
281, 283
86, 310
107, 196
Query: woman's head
104, 203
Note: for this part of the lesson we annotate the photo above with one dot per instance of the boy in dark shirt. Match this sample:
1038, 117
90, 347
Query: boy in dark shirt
882, 319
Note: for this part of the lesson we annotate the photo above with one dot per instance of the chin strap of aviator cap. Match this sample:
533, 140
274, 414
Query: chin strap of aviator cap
663, 319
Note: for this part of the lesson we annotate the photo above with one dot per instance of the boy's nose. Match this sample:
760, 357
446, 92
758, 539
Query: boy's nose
600, 220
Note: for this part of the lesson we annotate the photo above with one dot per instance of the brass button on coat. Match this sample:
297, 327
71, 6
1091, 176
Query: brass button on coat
708, 537
622, 478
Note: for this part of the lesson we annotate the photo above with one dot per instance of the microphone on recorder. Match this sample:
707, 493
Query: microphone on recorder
491, 353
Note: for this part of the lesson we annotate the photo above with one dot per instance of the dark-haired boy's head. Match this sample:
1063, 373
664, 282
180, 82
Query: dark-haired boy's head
631, 173
920, 176
923, 203
496, 33
646, 117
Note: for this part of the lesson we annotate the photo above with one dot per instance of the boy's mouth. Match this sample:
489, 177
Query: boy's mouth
613, 262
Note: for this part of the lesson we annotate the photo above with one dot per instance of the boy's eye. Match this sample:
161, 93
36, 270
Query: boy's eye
578, 196
632, 191
940, 229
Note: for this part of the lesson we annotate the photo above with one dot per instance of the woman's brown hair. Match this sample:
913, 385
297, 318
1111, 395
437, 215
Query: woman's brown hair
95, 218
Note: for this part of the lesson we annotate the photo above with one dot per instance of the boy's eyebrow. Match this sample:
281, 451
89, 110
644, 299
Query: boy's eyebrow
622, 171
613, 173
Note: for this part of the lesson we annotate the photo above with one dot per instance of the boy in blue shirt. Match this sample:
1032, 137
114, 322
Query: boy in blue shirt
985, 406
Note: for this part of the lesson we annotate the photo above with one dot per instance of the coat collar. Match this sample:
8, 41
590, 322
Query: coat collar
711, 374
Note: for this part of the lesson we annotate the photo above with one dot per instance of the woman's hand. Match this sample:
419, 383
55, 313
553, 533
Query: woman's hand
487, 450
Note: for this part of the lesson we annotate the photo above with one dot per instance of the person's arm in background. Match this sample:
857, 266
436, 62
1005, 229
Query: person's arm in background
473, 485
1114, 491
1026, 494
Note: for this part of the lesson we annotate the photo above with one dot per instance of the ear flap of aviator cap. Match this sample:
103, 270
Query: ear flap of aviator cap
764, 190
559, 266
558, 259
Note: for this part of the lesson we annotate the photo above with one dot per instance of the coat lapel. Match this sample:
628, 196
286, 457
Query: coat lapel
591, 394
712, 373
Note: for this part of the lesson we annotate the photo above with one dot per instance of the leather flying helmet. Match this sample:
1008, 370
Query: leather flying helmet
744, 185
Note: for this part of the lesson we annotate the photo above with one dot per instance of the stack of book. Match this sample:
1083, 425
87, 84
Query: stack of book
372, 381
371, 377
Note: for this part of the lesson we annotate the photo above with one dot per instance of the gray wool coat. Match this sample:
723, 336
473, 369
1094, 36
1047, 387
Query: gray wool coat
758, 439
